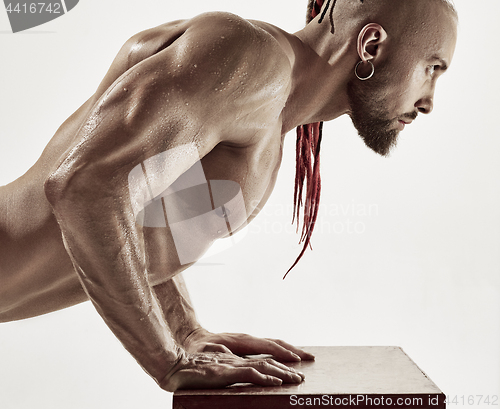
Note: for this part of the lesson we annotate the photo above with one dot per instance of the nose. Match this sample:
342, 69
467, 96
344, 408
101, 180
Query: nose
425, 105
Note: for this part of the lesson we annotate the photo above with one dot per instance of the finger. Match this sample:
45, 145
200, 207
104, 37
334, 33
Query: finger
248, 345
267, 366
271, 346
210, 347
271, 367
215, 375
294, 350
231, 375
281, 366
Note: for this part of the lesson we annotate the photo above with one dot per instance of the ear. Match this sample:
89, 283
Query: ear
370, 38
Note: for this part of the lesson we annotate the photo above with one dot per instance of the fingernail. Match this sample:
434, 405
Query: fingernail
277, 381
296, 357
297, 378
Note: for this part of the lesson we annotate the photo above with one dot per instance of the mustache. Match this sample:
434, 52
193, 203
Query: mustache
410, 116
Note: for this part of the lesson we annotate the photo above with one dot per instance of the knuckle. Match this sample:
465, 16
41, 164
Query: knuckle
250, 372
261, 365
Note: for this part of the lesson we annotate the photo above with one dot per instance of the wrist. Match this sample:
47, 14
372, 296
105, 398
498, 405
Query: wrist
185, 331
167, 383
194, 336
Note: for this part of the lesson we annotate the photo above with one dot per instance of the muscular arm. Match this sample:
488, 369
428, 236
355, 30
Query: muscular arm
159, 105
177, 308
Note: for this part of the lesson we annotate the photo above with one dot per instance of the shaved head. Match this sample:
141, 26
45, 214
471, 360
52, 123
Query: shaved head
394, 13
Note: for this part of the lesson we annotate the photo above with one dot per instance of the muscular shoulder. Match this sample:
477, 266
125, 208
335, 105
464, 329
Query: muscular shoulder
233, 42
213, 38
236, 32
222, 67
243, 62
210, 48
216, 34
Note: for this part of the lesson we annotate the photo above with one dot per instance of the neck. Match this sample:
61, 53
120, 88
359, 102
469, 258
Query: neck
321, 68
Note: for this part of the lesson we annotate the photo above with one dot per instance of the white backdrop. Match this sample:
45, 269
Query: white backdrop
405, 251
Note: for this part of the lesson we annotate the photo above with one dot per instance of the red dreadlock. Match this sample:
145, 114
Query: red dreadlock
306, 170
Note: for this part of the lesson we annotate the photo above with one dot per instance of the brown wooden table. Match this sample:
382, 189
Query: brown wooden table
364, 377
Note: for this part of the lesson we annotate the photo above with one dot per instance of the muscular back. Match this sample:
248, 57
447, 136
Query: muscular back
216, 82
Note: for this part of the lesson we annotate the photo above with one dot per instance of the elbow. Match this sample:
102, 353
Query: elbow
54, 187
61, 185
71, 187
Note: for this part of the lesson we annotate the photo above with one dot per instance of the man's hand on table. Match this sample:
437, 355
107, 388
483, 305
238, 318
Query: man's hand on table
215, 361
207, 370
202, 340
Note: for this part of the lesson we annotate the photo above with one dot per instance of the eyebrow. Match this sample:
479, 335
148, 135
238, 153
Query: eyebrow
443, 63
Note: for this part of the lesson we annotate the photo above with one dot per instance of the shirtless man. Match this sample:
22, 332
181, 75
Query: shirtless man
225, 90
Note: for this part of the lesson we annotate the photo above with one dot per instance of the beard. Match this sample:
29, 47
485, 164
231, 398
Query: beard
370, 115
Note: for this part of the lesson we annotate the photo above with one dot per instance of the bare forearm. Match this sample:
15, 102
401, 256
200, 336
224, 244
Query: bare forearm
177, 308
106, 249
140, 327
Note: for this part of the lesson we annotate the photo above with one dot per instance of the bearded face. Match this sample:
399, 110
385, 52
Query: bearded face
370, 105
